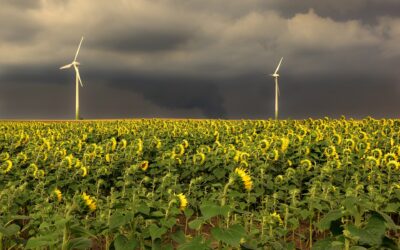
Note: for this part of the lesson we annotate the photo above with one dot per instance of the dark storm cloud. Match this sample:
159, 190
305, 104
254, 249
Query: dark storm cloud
354, 96
16, 24
145, 40
21, 4
34, 73
175, 58
177, 92
367, 11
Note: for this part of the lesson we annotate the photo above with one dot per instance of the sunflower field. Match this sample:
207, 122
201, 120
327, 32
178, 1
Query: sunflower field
200, 184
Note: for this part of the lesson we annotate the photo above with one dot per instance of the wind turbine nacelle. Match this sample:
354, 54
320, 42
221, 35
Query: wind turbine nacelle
76, 63
275, 75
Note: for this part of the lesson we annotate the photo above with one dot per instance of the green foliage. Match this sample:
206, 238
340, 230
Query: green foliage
200, 184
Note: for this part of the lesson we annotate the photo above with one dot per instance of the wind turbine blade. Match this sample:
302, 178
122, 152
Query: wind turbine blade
78, 75
66, 66
79, 47
279, 65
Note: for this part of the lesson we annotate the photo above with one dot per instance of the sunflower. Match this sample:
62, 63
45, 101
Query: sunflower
182, 201
58, 194
4, 156
336, 139
330, 152
264, 144
284, 144
377, 153
185, 143
113, 144
180, 148
140, 146
123, 142
306, 163
392, 164
84, 171
89, 201
201, 156
390, 157
108, 159
372, 161
350, 143
144, 165
158, 144
276, 217
246, 179
7, 167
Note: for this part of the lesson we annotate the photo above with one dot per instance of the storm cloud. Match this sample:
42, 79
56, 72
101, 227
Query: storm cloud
200, 59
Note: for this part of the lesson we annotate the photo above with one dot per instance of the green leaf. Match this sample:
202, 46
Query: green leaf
156, 232
10, 230
196, 224
157, 214
230, 236
188, 212
327, 244
322, 244
179, 237
389, 222
118, 220
325, 222
61, 222
389, 243
122, 243
144, 209
219, 173
373, 232
79, 243
195, 244
40, 242
168, 223
358, 248
210, 210
79, 231
392, 207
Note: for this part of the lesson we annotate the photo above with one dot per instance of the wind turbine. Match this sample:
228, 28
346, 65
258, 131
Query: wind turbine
276, 76
76, 64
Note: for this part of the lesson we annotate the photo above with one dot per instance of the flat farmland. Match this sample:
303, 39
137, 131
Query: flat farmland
200, 184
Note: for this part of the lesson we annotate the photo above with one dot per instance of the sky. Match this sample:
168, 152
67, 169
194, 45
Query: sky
200, 58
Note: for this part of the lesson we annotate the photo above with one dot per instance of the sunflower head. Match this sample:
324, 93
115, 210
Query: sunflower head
392, 164
84, 171
390, 157
185, 143
246, 179
372, 162
377, 153
144, 165
123, 143
306, 163
58, 194
113, 144
6, 166
199, 157
182, 201
89, 202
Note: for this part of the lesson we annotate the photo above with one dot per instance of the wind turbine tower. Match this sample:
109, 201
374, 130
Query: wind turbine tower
78, 80
276, 76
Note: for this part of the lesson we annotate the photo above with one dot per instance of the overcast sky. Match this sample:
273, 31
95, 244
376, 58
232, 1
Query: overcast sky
200, 59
